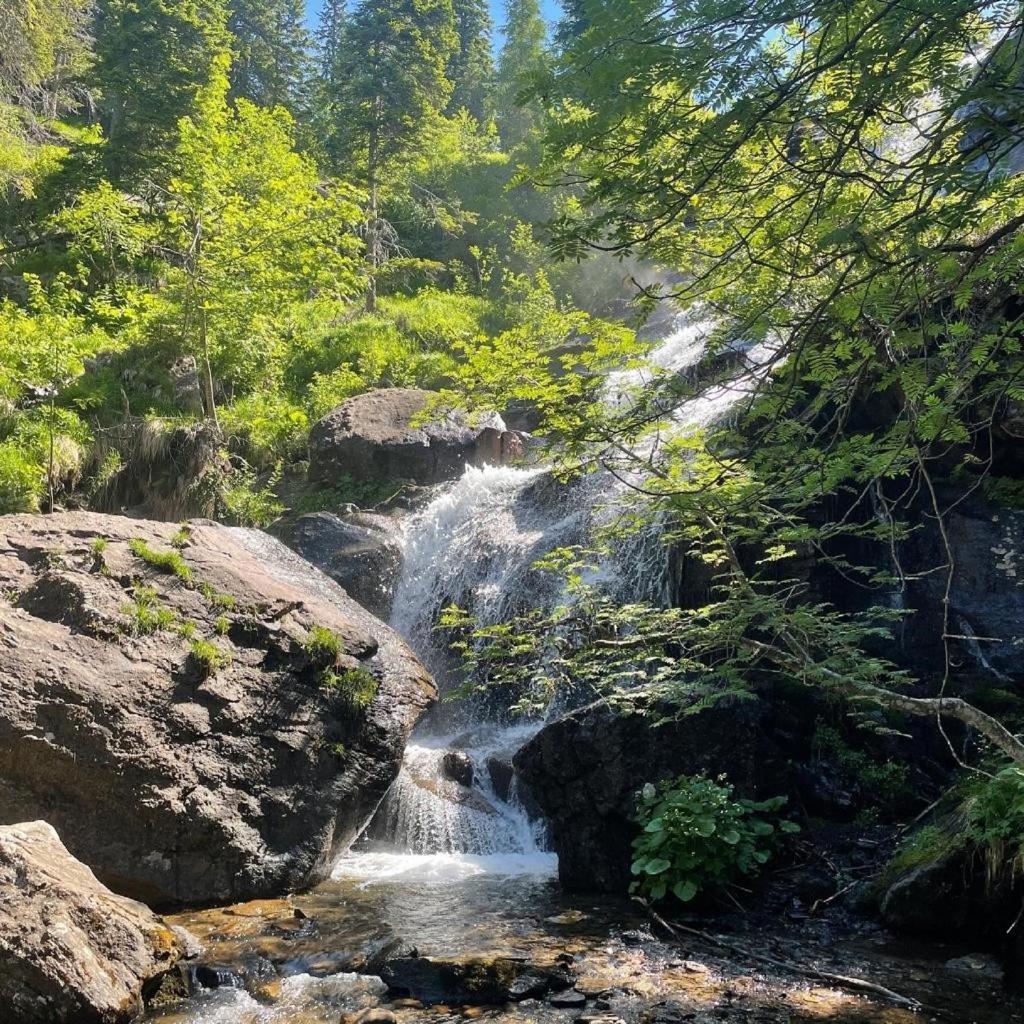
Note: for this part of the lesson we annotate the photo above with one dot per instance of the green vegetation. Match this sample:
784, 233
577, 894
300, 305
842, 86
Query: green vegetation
323, 646
695, 836
207, 658
145, 613
358, 686
169, 562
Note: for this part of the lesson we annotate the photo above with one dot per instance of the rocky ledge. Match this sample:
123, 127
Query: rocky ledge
389, 435
200, 720
70, 950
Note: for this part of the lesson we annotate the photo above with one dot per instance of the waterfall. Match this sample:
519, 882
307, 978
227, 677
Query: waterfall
455, 805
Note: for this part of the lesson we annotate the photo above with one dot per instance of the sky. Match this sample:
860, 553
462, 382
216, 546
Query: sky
549, 7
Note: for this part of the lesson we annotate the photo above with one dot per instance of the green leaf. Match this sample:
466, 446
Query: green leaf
685, 890
657, 865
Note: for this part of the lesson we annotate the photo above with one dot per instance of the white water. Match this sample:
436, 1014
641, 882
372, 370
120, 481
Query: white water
476, 545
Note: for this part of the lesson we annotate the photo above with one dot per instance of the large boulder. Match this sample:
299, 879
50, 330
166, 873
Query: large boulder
585, 769
378, 436
70, 949
172, 716
359, 550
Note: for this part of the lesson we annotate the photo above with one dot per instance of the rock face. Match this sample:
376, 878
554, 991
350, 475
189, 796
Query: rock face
986, 597
585, 769
372, 436
359, 551
71, 950
183, 771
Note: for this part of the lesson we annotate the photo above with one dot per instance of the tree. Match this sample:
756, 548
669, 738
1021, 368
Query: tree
841, 185
153, 59
251, 231
522, 58
472, 67
271, 51
394, 62
329, 36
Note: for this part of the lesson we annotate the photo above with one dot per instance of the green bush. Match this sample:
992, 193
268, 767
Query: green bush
246, 504
994, 811
356, 685
695, 836
269, 427
21, 481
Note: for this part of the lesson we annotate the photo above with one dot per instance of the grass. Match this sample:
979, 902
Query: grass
169, 562
207, 658
182, 537
145, 613
358, 686
323, 646
222, 624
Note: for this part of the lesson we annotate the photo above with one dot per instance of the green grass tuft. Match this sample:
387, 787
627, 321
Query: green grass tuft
169, 562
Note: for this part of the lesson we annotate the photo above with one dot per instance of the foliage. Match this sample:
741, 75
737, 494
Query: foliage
21, 481
994, 811
323, 646
145, 613
245, 503
207, 658
169, 562
695, 836
357, 686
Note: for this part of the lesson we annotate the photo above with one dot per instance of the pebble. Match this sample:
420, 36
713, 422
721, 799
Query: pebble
570, 999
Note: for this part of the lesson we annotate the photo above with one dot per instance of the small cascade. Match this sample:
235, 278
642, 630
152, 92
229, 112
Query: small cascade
447, 798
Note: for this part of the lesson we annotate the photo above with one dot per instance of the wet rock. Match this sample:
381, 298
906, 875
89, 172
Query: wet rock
501, 773
377, 436
585, 769
371, 1015
528, 986
470, 981
217, 976
599, 1018
174, 782
71, 949
636, 937
359, 551
570, 999
457, 766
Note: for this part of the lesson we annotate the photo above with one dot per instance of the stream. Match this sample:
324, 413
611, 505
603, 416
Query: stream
455, 865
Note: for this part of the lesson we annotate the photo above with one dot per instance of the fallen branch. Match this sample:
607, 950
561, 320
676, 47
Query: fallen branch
859, 984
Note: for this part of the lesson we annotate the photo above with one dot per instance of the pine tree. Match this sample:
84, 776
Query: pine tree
153, 57
272, 51
472, 66
393, 76
523, 55
329, 36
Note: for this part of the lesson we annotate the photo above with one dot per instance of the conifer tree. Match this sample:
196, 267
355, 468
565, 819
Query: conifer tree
394, 61
272, 51
153, 59
472, 66
523, 56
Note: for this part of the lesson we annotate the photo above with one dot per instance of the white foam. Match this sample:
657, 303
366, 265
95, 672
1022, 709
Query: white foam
442, 867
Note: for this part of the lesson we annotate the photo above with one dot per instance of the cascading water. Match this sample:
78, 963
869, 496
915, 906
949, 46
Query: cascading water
476, 545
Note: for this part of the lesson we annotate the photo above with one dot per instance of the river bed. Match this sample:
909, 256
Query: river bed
313, 958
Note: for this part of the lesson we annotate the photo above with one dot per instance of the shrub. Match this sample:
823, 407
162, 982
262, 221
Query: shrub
994, 811
207, 658
356, 685
696, 836
21, 481
269, 426
169, 562
245, 504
